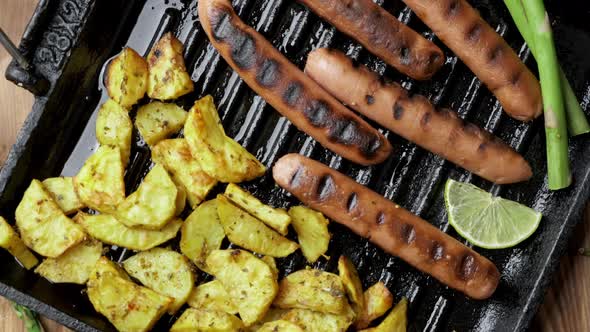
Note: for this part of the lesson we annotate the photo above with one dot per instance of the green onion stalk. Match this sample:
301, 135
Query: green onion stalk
29, 318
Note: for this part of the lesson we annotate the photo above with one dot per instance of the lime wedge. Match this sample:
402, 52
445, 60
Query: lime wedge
486, 221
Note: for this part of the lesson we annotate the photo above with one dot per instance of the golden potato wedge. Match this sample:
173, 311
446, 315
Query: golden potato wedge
153, 204
10, 241
212, 296
108, 229
352, 284
314, 290
198, 320
250, 233
314, 321
248, 280
63, 193
42, 224
114, 128
272, 263
312, 232
105, 266
157, 121
165, 271
378, 300
74, 265
396, 321
175, 155
99, 184
219, 156
277, 219
129, 307
280, 326
201, 233
168, 78
126, 78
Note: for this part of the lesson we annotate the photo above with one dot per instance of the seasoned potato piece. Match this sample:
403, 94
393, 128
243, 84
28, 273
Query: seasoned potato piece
10, 241
280, 326
105, 266
74, 265
278, 219
99, 184
248, 280
248, 232
312, 231
108, 229
197, 320
212, 296
312, 289
272, 263
378, 299
165, 271
43, 225
129, 307
63, 193
175, 155
396, 321
153, 204
314, 321
114, 128
220, 156
201, 233
168, 78
157, 121
126, 78
352, 284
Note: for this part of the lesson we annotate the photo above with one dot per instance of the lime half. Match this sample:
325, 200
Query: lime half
486, 221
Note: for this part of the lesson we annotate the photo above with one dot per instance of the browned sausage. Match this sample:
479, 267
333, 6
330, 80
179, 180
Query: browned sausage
416, 119
387, 225
485, 52
382, 34
288, 89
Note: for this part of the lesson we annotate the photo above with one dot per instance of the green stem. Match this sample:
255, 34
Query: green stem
558, 167
29, 318
576, 119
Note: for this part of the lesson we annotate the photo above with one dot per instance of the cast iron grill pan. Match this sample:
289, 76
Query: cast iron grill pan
412, 177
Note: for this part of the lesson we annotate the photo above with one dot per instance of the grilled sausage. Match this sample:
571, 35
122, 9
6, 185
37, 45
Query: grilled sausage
485, 52
416, 119
382, 34
288, 89
387, 225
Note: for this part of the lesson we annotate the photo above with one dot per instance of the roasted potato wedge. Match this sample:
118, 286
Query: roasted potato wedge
272, 263
396, 321
314, 321
168, 78
42, 224
153, 204
277, 219
165, 271
280, 326
63, 193
10, 241
74, 265
201, 233
129, 307
352, 284
175, 155
312, 231
105, 266
99, 184
273, 314
108, 229
114, 128
198, 320
378, 300
314, 290
157, 121
248, 280
212, 296
248, 232
219, 156
126, 78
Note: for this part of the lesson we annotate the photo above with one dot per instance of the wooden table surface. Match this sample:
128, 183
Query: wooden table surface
567, 304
